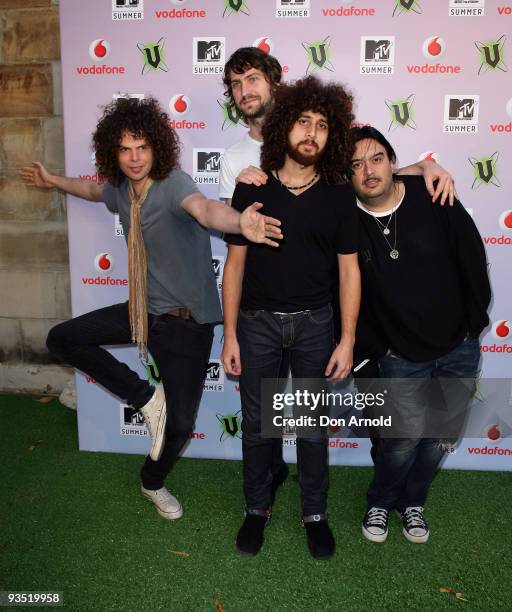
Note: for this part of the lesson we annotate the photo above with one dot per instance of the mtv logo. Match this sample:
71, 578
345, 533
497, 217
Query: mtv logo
129, 3
209, 50
377, 50
213, 371
208, 161
132, 416
461, 109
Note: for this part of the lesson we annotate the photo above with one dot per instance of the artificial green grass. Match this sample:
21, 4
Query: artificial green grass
75, 522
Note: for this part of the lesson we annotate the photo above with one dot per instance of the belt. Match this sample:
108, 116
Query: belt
183, 313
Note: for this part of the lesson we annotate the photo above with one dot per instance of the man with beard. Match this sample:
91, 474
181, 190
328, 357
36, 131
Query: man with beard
279, 303
424, 304
250, 78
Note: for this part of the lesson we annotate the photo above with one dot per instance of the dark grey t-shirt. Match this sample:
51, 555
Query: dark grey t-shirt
180, 271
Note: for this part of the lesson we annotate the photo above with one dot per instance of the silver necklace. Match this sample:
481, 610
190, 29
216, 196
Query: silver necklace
393, 252
386, 231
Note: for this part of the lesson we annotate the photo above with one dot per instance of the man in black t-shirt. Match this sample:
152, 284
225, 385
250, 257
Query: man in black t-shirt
280, 302
425, 294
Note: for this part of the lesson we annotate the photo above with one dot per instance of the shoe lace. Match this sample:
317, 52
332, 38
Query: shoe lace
414, 517
378, 516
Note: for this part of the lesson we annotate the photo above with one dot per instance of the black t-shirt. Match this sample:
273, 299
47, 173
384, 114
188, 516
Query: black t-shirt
299, 274
422, 304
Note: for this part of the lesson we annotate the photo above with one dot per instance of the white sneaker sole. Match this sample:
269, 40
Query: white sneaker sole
170, 516
415, 539
157, 443
374, 537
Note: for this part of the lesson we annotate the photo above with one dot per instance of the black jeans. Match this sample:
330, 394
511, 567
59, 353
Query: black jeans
263, 337
404, 467
180, 348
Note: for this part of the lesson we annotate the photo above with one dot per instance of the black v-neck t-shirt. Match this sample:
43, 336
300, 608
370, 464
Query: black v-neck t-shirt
301, 273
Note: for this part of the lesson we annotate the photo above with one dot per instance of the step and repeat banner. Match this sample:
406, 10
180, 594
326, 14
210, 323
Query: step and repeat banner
435, 77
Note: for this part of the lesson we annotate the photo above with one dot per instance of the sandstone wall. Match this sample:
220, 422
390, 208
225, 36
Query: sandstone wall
34, 274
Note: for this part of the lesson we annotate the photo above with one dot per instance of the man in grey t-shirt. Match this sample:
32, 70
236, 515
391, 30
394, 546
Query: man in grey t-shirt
173, 303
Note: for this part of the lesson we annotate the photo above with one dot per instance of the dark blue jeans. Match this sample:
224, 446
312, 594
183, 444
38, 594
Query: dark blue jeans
265, 340
404, 467
180, 348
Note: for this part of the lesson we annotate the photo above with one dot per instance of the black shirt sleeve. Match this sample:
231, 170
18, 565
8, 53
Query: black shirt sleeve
240, 201
472, 264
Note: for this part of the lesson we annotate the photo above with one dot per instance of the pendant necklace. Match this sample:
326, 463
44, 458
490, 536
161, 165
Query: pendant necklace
393, 252
386, 231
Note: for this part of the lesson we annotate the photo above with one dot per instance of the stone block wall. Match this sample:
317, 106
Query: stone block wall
34, 274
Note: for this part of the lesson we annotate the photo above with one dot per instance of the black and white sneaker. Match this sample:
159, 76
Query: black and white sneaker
375, 524
415, 526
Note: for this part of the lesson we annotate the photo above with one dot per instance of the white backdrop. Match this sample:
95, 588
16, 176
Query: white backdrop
433, 76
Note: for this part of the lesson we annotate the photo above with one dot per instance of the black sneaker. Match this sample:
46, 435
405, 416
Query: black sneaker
320, 539
279, 479
375, 524
249, 539
415, 526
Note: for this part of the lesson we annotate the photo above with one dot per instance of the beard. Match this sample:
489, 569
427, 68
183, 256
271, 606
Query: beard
257, 113
303, 159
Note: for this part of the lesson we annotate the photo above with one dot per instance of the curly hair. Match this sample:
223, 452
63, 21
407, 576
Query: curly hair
244, 59
310, 94
142, 119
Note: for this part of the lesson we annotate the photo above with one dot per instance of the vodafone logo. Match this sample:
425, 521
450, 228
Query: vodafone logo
103, 262
505, 223
506, 220
501, 330
431, 155
180, 13
99, 49
492, 433
434, 47
179, 105
264, 43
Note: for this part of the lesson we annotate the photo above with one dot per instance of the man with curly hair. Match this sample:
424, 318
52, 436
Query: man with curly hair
250, 78
173, 300
278, 303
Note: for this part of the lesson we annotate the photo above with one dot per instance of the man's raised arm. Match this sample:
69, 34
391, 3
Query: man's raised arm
38, 176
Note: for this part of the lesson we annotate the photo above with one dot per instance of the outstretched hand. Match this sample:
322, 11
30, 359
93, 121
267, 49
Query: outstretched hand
260, 228
36, 176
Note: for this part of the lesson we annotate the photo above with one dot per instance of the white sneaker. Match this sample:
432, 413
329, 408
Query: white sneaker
155, 415
415, 526
166, 504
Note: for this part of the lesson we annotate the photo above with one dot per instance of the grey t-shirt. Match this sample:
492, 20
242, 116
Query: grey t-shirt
180, 271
